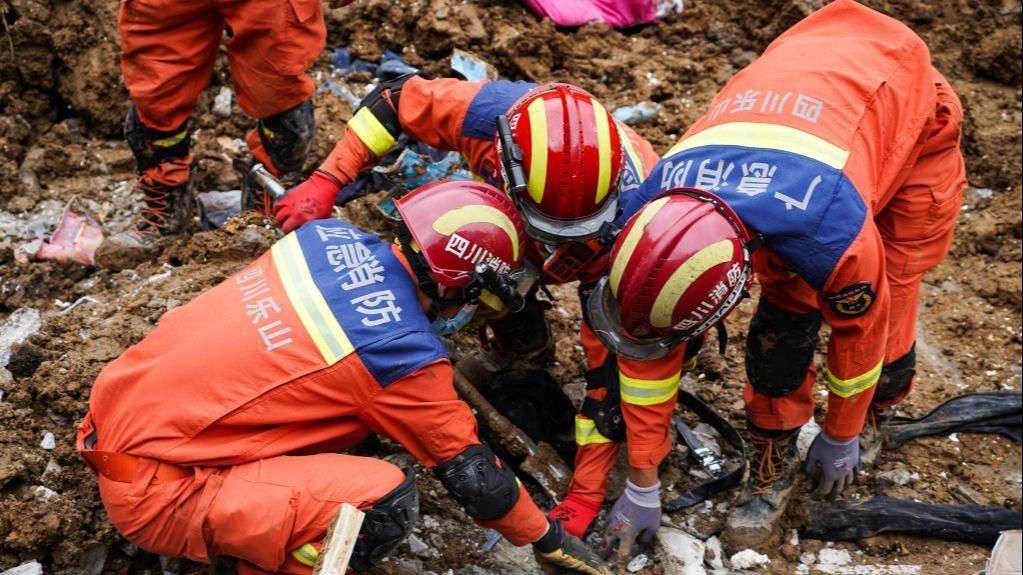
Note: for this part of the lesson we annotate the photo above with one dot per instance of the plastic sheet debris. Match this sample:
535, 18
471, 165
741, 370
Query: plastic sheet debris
999, 412
637, 113
847, 520
471, 67
615, 13
19, 326
216, 207
1007, 556
75, 239
67, 307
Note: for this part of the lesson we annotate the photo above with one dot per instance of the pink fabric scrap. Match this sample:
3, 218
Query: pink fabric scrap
615, 13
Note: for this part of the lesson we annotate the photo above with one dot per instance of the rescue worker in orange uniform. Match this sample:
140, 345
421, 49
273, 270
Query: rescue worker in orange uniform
168, 50
839, 149
223, 432
568, 165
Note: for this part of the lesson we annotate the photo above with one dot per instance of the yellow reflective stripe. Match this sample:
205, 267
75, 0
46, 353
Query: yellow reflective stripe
855, 385
603, 151
451, 221
312, 309
306, 555
170, 140
637, 164
372, 133
631, 239
648, 391
690, 365
538, 154
684, 276
769, 136
586, 432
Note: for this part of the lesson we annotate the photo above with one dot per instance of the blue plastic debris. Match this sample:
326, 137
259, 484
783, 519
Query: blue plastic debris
471, 67
637, 113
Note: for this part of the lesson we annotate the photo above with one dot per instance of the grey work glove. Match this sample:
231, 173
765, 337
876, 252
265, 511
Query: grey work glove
635, 517
839, 461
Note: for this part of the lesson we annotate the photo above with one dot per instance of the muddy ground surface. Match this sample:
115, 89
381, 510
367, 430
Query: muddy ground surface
61, 106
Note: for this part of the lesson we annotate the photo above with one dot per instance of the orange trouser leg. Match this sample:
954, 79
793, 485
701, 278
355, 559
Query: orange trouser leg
167, 53
258, 512
790, 294
593, 465
918, 222
272, 45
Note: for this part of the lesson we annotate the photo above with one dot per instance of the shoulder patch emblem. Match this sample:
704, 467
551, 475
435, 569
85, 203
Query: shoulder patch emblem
852, 300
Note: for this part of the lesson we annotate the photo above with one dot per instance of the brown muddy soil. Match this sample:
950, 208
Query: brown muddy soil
61, 106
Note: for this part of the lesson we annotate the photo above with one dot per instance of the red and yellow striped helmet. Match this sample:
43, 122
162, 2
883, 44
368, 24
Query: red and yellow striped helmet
678, 267
572, 156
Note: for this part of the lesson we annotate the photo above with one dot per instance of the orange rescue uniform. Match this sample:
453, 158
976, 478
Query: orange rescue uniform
223, 431
457, 115
840, 145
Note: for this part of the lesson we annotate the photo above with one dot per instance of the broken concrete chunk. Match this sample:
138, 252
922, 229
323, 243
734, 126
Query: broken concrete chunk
683, 553
807, 434
716, 556
222, 102
19, 326
44, 493
831, 556
638, 563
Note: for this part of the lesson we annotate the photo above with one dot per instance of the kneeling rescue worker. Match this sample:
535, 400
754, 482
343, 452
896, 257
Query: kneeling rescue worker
568, 165
168, 50
838, 149
223, 432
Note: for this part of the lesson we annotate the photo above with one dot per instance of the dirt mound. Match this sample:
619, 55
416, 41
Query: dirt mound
61, 107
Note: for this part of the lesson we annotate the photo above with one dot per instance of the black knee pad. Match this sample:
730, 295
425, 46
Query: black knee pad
896, 377
288, 136
779, 349
152, 147
606, 413
473, 478
387, 524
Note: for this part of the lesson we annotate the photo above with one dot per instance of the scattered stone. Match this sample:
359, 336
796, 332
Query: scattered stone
807, 433
30, 568
808, 558
49, 442
222, 102
749, 559
683, 553
638, 563
836, 557
19, 326
421, 549
52, 468
429, 522
794, 538
93, 559
44, 493
898, 477
716, 556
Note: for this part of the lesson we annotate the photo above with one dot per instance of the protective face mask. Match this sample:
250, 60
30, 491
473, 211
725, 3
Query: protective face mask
448, 326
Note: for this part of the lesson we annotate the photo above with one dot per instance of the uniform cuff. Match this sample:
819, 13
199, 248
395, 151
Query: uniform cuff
644, 457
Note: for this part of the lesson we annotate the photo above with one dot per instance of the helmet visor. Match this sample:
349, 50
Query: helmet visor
604, 318
553, 231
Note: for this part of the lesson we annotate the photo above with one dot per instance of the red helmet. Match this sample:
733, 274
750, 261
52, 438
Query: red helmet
678, 267
569, 160
463, 230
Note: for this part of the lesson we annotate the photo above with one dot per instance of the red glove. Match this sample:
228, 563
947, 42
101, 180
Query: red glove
576, 513
313, 199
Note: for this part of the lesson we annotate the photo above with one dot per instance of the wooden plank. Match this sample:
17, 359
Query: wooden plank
340, 541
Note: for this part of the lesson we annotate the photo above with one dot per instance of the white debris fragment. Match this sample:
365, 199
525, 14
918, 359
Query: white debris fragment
749, 559
807, 433
222, 102
716, 556
708, 436
808, 558
832, 556
898, 476
30, 568
683, 553
954, 437
420, 548
44, 493
638, 563
794, 538
49, 442
19, 326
